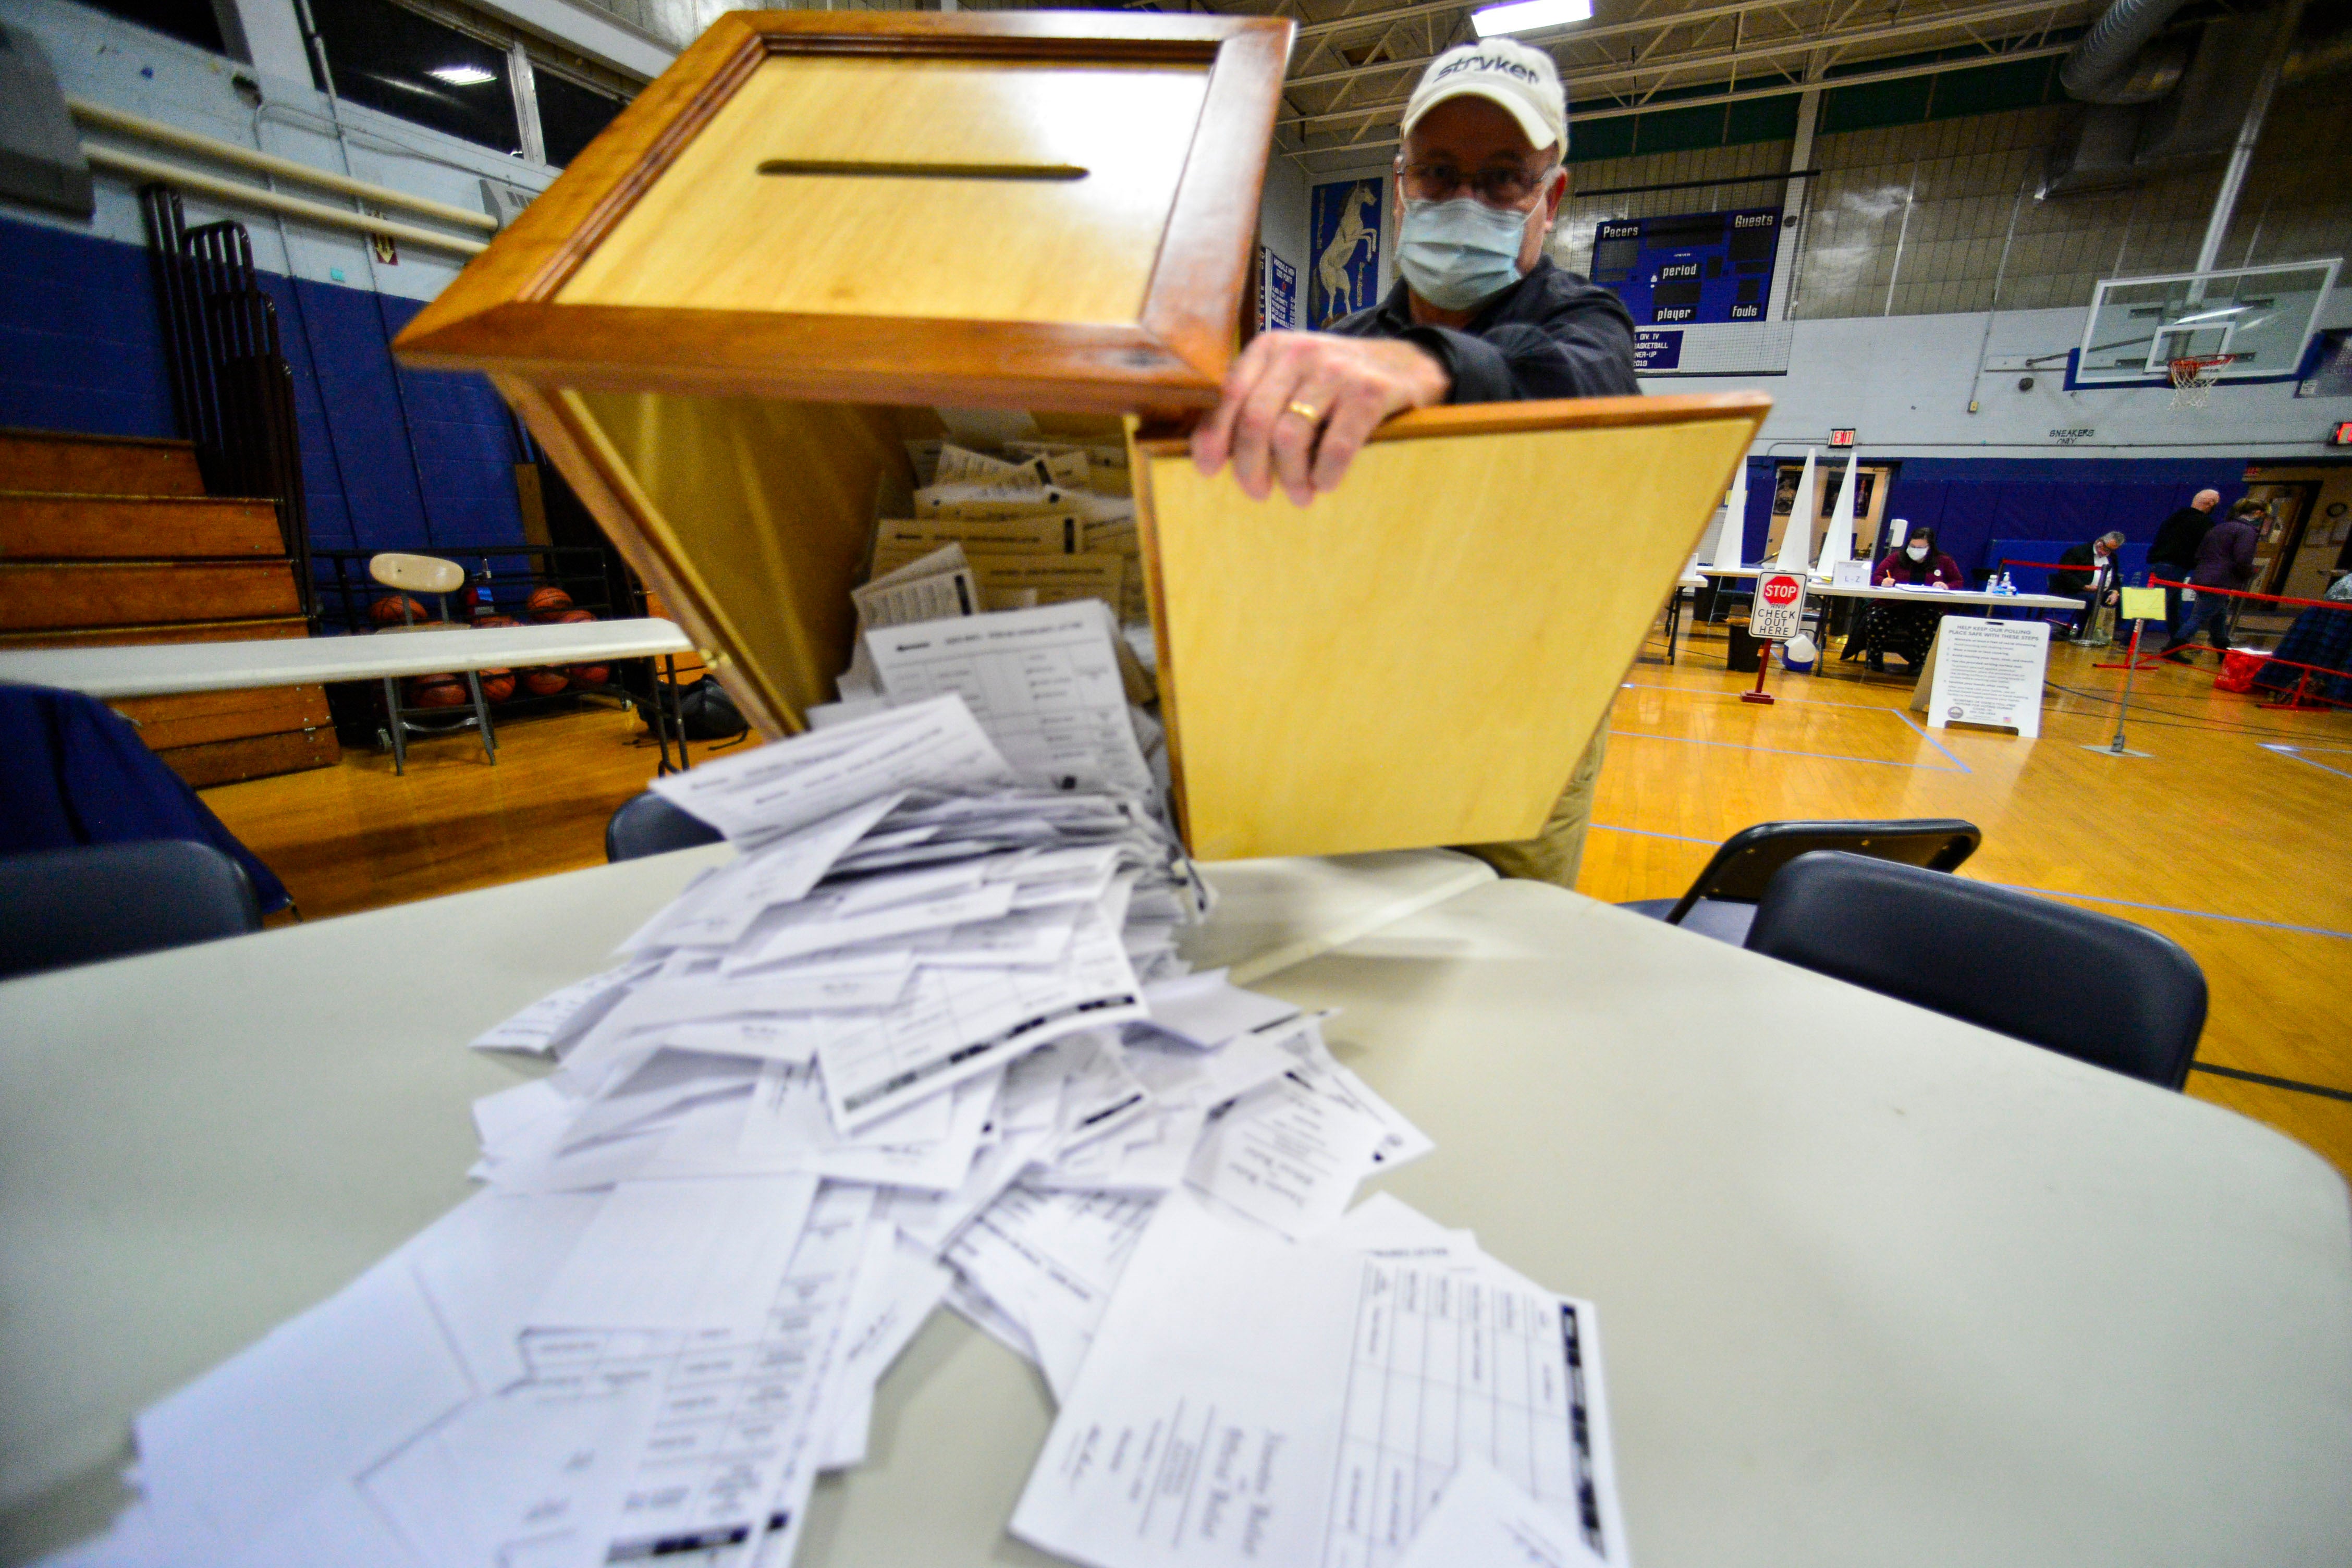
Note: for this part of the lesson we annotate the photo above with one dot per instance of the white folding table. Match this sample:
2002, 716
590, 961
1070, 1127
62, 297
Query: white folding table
1875, 1286
161, 670
158, 670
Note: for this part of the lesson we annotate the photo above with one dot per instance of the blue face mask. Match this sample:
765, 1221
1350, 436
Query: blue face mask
1460, 253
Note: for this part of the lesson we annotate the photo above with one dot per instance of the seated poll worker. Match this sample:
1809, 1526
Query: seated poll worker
1907, 631
1479, 315
2099, 584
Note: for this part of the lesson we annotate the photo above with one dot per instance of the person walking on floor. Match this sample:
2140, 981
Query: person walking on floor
2100, 585
2225, 559
2174, 553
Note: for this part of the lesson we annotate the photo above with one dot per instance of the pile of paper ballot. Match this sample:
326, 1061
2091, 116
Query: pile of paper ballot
926, 1038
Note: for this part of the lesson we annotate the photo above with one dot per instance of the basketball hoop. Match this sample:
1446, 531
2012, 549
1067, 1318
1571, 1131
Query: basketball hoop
2193, 377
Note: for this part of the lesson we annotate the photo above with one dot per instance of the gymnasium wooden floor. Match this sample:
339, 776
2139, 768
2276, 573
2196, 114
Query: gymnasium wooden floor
2230, 846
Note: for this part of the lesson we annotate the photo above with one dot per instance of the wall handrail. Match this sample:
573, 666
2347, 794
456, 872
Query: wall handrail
271, 201
162, 134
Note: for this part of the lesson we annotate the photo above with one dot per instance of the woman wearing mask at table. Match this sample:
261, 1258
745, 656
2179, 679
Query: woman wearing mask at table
1908, 630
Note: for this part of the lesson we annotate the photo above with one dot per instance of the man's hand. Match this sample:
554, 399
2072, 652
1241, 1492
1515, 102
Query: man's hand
1349, 385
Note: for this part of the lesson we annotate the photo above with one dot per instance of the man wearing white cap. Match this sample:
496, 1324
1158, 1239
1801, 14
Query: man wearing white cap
1479, 315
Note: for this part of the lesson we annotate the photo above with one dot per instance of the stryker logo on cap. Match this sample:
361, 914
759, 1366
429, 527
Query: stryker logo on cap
1484, 63
1522, 80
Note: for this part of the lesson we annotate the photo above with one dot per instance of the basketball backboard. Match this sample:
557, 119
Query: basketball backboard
2263, 317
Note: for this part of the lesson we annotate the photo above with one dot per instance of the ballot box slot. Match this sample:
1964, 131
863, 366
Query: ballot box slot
822, 168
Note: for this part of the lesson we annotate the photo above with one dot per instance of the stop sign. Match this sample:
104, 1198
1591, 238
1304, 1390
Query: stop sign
1778, 613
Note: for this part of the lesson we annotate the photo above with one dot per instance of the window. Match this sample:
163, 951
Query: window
569, 115
190, 21
390, 58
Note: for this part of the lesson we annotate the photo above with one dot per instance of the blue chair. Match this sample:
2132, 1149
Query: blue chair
648, 824
73, 771
2086, 985
63, 907
1722, 901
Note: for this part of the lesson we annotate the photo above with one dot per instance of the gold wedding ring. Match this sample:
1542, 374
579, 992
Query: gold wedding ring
1308, 412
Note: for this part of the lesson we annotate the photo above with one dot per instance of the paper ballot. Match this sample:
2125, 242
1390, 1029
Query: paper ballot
927, 1036
1244, 1401
767, 793
1484, 1522
1044, 684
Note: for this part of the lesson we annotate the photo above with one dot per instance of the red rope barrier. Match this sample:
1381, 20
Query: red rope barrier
2242, 594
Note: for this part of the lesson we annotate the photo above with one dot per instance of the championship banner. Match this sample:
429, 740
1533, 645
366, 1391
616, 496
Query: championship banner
1343, 229
1277, 293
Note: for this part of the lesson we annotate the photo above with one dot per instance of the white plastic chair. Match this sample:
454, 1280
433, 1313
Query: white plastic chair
407, 575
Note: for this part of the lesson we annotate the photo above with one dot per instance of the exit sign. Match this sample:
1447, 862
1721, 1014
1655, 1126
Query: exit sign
2341, 436
1840, 438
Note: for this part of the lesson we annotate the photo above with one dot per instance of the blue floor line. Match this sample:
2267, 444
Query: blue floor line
1900, 716
2053, 893
1782, 752
2296, 754
1646, 833
2171, 909
1921, 731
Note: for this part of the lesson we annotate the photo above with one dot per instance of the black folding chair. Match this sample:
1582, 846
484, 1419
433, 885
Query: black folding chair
2085, 985
648, 824
79, 905
1722, 902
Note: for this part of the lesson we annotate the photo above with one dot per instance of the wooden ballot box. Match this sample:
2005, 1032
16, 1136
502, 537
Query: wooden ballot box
728, 315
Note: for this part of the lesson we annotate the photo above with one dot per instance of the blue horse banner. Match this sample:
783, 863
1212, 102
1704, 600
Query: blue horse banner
1343, 229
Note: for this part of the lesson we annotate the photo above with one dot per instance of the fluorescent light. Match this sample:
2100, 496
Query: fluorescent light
1530, 17
475, 76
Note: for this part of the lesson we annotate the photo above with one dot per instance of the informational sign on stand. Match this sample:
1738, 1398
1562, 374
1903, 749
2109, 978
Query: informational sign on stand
1850, 574
1987, 672
1779, 612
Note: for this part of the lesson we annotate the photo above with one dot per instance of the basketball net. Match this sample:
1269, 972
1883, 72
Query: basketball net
2192, 378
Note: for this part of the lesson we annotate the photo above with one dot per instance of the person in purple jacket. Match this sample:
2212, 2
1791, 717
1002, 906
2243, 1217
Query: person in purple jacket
1907, 631
2225, 559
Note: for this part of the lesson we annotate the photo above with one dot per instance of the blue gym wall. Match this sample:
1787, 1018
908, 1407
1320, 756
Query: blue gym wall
392, 458
1971, 501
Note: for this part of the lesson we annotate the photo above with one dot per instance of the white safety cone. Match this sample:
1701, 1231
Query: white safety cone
1837, 542
1797, 540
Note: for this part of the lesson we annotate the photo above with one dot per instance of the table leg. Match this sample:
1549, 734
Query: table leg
482, 716
391, 716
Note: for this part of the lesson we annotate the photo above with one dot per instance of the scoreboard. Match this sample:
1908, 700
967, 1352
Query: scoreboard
1699, 267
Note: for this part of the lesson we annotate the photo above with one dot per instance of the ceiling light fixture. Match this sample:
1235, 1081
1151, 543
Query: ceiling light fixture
1530, 17
475, 76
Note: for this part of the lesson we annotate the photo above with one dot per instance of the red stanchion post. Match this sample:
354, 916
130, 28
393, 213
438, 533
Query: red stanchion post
1763, 663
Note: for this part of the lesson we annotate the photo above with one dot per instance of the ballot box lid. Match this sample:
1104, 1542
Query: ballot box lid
1024, 209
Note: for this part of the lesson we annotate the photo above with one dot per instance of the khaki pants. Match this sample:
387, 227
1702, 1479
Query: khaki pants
1555, 852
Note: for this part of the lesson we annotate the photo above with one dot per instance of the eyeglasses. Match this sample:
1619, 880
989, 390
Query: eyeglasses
1498, 187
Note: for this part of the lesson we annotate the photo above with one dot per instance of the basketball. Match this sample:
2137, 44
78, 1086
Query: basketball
544, 602
438, 691
569, 617
385, 612
588, 674
497, 621
498, 685
544, 682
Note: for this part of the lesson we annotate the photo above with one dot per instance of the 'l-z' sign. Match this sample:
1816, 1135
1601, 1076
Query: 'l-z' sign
1700, 267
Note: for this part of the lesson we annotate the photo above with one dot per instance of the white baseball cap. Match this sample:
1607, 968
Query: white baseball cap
1504, 71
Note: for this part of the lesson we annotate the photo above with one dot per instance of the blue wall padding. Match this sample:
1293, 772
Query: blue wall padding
81, 347
1972, 502
392, 458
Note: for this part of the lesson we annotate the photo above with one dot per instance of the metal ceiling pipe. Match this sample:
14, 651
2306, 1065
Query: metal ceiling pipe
2105, 64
